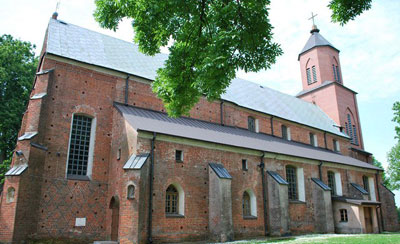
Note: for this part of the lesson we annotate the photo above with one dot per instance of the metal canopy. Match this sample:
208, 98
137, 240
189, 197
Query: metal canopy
136, 161
359, 188
277, 177
27, 135
220, 170
16, 170
321, 184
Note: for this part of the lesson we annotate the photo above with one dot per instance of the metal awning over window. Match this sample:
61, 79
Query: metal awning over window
321, 184
136, 161
359, 188
220, 170
277, 177
17, 170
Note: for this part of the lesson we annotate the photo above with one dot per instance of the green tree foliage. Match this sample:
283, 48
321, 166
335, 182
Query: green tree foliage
393, 155
17, 70
396, 118
345, 10
385, 179
212, 39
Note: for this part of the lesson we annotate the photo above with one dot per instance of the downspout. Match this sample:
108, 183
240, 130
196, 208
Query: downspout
149, 227
264, 188
326, 145
380, 207
222, 112
126, 90
320, 169
272, 125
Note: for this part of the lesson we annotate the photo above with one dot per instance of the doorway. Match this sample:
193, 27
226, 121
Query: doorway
368, 219
114, 206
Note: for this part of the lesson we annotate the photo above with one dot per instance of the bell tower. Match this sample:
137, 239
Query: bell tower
323, 86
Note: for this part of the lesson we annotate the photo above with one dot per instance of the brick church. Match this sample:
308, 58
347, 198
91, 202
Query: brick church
98, 158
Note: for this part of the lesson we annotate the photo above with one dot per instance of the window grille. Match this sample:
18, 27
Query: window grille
331, 182
284, 132
79, 145
308, 76
246, 204
171, 200
343, 215
251, 123
314, 73
291, 178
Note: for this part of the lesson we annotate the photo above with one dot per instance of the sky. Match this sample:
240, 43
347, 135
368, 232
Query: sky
369, 51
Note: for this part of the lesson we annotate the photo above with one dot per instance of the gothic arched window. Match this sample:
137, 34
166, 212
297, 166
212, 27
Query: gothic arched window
171, 200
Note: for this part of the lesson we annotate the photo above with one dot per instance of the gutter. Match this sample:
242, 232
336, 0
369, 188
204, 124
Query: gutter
126, 90
320, 170
222, 112
326, 145
381, 226
264, 188
272, 125
149, 227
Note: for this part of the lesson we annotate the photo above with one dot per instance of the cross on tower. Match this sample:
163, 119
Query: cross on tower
312, 17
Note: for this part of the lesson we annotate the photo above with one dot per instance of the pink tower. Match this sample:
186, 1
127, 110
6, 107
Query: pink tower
323, 86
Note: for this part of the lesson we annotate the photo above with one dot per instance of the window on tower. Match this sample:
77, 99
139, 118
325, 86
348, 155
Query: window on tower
351, 130
314, 74
308, 76
334, 72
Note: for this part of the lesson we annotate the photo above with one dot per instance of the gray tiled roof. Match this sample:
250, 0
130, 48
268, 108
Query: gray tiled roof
90, 47
316, 40
153, 121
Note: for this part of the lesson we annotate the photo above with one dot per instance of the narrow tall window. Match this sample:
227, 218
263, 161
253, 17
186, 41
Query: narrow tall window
343, 215
244, 165
79, 145
349, 129
365, 183
246, 204
284, 132
334, 72
355, 139
251, 123
291, 178
171, 200
308, 76
314, 74
313, 140
338, 75
179, 156
331, 182
336, 145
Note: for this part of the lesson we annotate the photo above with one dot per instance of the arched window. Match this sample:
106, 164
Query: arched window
249, 204
332, 182
351, 129
291, 178
174, 200
10, 194
131, 192
246, 204
81, 145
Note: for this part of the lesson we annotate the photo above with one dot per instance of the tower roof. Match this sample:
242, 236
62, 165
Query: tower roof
316, 40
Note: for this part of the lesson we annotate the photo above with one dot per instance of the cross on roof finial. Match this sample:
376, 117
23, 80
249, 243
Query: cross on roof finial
312, 17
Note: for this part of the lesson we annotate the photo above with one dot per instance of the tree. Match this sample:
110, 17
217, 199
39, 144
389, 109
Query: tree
212, 39
385, 180
393, 155
17, 70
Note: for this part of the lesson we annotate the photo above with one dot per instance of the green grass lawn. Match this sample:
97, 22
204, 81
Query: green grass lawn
333, 238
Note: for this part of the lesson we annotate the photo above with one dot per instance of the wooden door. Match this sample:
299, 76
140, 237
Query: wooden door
368, 220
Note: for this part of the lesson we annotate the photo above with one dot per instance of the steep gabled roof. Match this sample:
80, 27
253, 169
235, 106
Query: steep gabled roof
316, 40
77, 43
